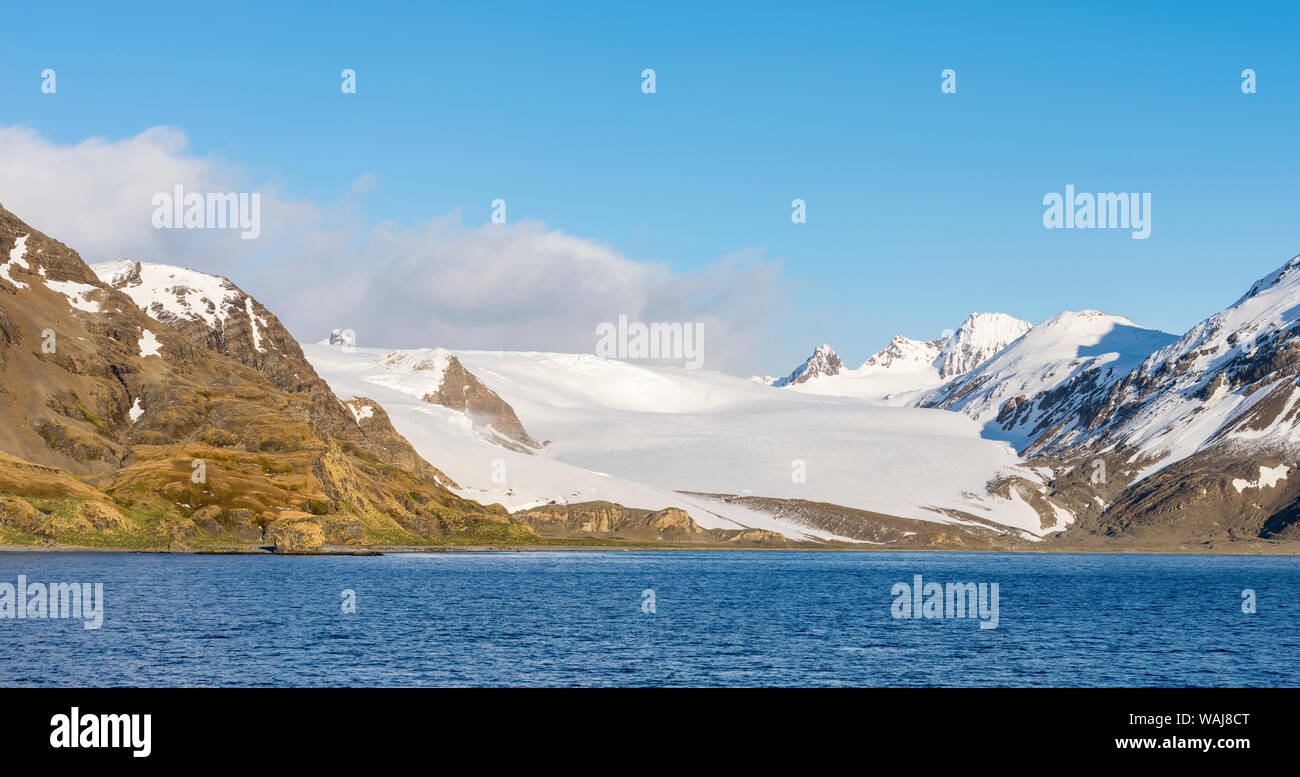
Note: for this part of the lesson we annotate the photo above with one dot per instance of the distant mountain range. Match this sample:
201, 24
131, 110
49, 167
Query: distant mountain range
119, 382
907, 366
1145, 432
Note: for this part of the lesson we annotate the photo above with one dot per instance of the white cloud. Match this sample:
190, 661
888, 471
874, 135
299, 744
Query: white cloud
513, 286
517, 286
96, 196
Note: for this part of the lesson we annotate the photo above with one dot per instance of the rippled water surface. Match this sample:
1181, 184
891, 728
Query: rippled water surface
721, 618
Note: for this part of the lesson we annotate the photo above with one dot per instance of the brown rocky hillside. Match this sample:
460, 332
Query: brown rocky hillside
124, 429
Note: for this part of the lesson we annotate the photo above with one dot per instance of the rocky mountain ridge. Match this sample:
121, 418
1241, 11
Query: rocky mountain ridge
918, 363
823, 362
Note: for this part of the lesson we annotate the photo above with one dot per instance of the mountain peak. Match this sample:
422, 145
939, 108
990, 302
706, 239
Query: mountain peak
1067, 362
1083, 318
167, 293
344, 338
905, 350
824, 361
979, 337
1273, 279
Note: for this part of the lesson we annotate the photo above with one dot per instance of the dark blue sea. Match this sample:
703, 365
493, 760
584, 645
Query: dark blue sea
718, 619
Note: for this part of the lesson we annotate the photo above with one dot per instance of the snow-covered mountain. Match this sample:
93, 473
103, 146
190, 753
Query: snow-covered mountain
168, 294
903, 352
894, 376
216, 312
1011, 394
1155, 435
979, 337
1231, 379
823, 363
1143, 431
903, 370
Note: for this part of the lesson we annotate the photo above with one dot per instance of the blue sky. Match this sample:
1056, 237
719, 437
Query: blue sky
922, 207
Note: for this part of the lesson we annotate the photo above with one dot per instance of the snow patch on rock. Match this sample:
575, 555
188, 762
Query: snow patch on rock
1268, 477
77, 294
253, 322
166, 293
359, 413
149, 344
16, 258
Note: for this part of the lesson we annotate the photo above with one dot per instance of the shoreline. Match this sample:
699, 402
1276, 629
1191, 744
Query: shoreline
1262, 548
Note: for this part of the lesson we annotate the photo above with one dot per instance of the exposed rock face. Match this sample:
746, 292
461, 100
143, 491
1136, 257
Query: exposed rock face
392, 447
342, 530
461, 390
60, 395
436, 376
77, 519
1211, 496
612, 521
18, 514
213, 312
823, 361
607, 520
296, 533
754, 537
236, 524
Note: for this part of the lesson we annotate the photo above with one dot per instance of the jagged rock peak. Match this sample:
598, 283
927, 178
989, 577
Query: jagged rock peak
906, 350
823, 361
